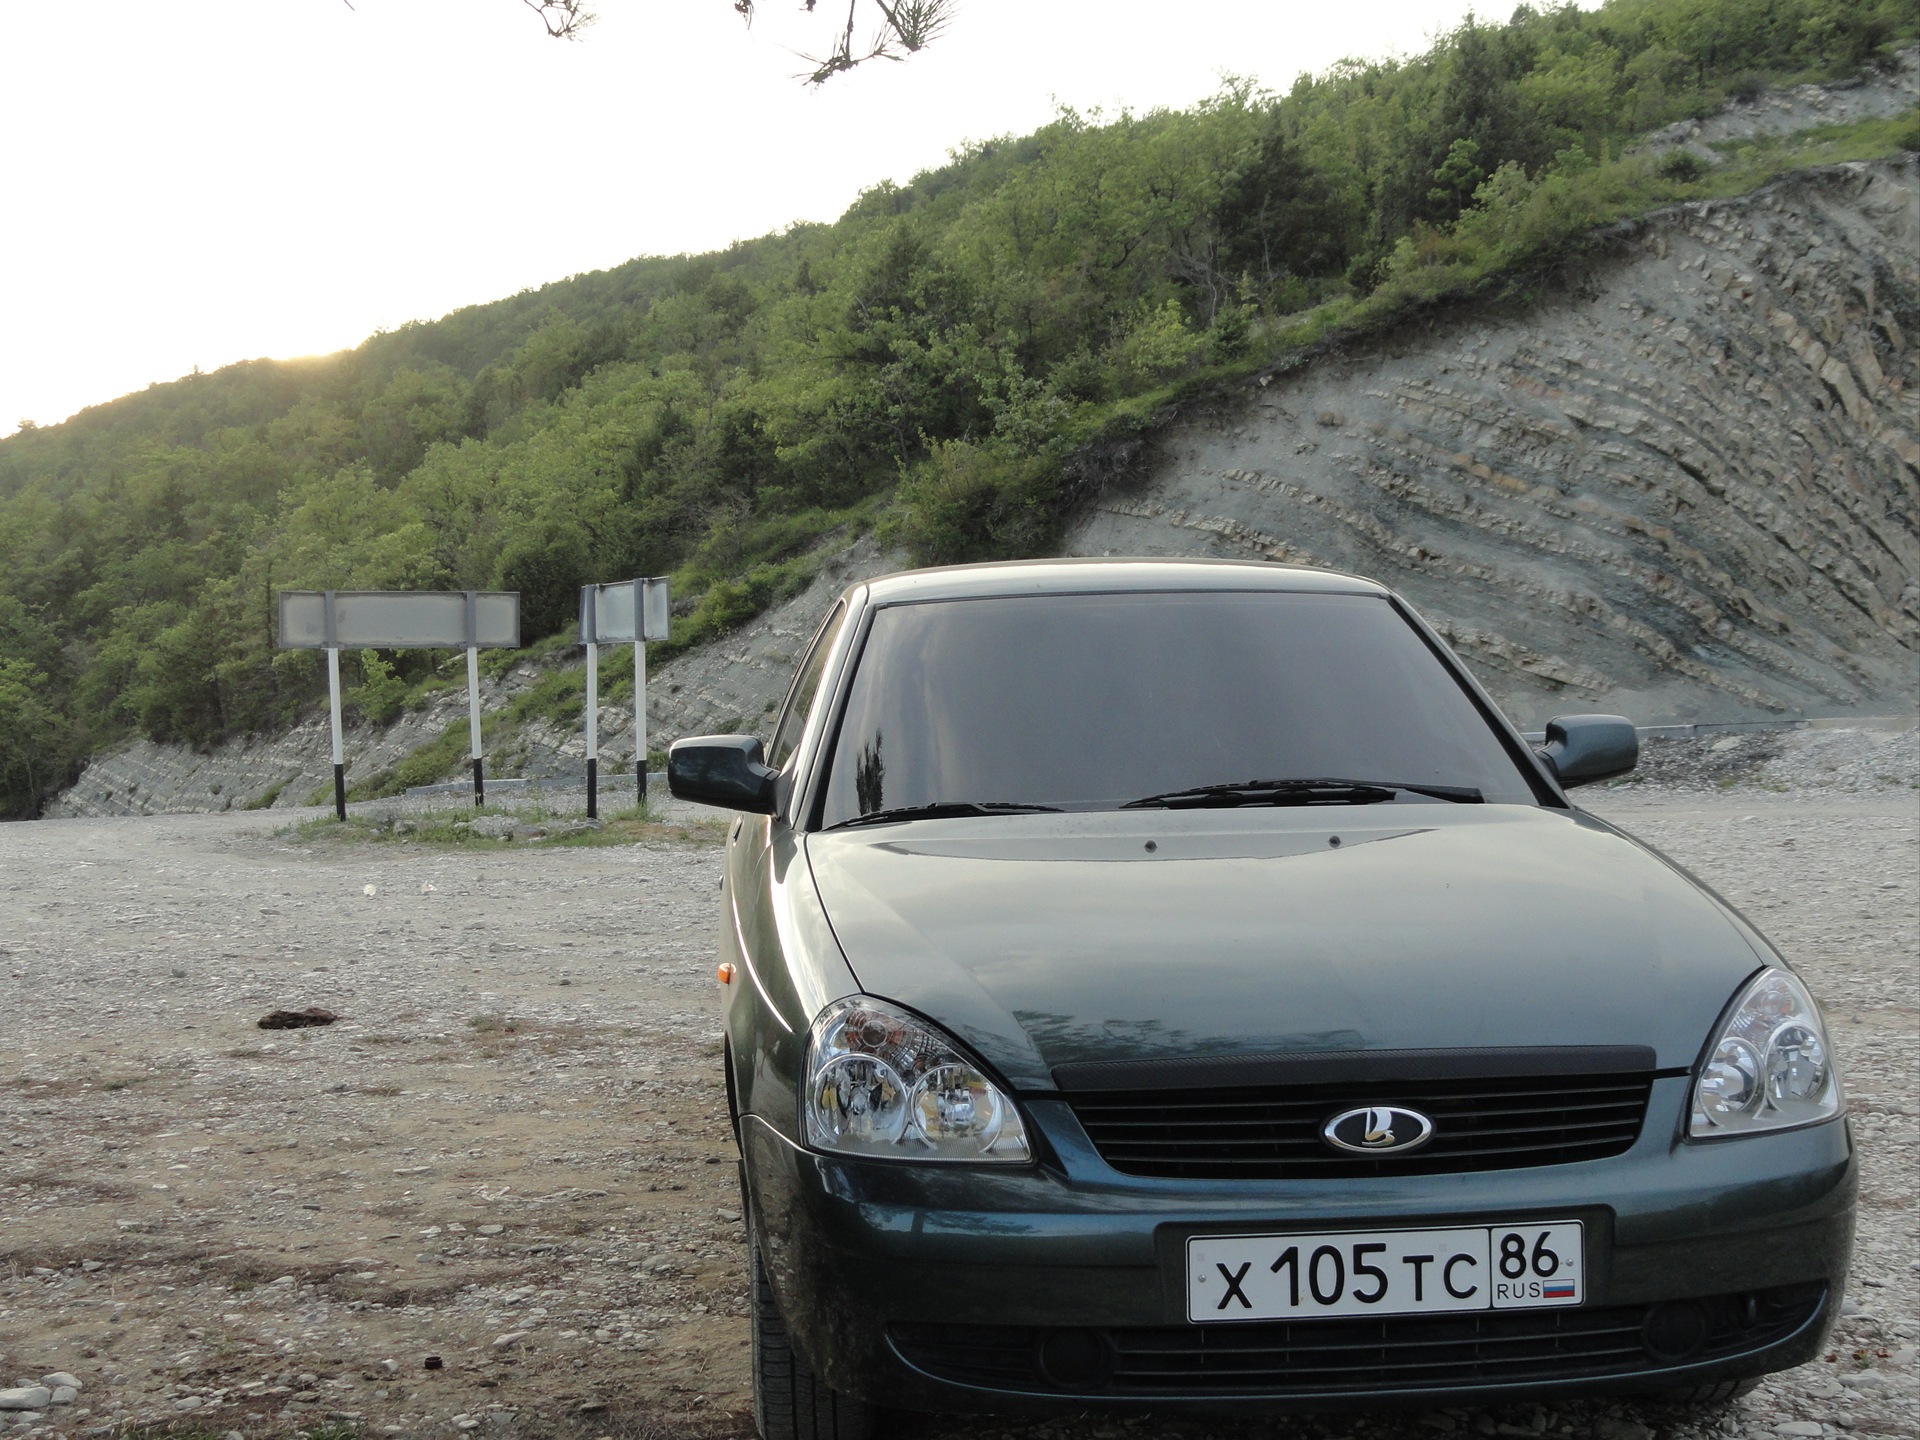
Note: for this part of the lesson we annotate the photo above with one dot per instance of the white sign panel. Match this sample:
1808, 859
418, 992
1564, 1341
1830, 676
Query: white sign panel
653, 608
607, 612
399, 619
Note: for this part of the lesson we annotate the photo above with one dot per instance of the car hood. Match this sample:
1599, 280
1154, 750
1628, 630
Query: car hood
1046, 940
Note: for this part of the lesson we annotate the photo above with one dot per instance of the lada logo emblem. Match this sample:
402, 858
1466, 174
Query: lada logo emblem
1378, 1130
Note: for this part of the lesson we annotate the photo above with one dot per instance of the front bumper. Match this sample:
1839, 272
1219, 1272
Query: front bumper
1062, 1285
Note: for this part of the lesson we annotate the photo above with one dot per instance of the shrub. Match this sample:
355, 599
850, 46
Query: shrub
547, 566
1158, 345
977, 502
381, 694
1682, 166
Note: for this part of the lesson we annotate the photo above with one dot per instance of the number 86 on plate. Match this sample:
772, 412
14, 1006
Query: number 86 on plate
1385, 1272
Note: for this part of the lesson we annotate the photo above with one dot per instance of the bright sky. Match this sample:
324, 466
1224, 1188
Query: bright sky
195, 184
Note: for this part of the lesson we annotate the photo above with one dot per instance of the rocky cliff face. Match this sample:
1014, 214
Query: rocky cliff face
1687, 487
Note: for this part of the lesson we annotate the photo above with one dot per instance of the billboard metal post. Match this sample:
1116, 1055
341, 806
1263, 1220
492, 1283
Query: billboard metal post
331, 620
653, 607
613, 614
473, 727
339, 747
590, 637
593, 731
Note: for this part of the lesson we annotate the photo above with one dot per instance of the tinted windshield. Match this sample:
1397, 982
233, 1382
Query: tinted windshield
1090, 701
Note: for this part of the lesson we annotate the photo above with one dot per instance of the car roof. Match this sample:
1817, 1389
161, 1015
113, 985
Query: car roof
1100, 574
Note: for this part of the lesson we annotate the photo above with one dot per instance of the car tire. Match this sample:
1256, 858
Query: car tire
1719, 1392
790, 1402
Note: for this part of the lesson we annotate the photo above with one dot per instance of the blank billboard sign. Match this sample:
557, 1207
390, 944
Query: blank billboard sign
623, 612
399, 619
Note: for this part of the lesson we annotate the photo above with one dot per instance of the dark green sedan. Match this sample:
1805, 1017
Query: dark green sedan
1172, 985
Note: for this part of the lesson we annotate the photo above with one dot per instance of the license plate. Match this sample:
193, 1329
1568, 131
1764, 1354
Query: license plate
1385, 1272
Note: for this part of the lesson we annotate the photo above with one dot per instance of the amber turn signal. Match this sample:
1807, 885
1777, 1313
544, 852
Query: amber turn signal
726, 973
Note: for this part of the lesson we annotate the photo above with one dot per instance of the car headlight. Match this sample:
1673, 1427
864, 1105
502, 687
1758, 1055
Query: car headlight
1770, 1067
885, 1083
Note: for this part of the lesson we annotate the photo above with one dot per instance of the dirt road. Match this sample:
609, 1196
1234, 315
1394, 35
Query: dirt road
498, 1195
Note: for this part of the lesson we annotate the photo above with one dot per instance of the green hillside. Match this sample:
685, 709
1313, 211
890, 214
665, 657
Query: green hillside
953, 361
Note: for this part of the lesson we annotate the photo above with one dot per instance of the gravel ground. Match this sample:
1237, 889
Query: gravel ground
498, 1195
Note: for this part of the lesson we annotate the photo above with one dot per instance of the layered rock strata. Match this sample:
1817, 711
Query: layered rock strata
1688, 489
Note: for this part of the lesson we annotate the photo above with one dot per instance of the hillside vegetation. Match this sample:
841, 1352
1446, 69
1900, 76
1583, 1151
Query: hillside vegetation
956, 361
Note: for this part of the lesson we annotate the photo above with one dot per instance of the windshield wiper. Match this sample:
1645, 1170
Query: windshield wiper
1324, 791
946, 810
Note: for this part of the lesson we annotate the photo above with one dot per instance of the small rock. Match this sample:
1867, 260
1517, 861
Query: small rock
25, 1397
297, 1019
188, 1402
65, 1395
1863, 1380
1849, 1306
1806, 1429
285, 1280
390, 1367
732, 1215
509, 1340
1903, 1357
89, 1266
494, 827
427, 887
369, 890
59, 1378
489, 1229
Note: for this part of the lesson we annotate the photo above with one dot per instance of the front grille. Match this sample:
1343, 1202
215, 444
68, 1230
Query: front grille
1273, 1132
1346, 1356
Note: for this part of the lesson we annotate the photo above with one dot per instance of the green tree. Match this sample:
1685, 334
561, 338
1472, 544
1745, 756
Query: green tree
36, 740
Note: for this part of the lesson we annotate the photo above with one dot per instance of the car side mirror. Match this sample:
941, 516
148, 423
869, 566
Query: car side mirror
1583, 748
723, 770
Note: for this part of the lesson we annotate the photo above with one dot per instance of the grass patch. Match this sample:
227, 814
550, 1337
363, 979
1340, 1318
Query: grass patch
428, 765
264, 800
536, 827
559, 696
